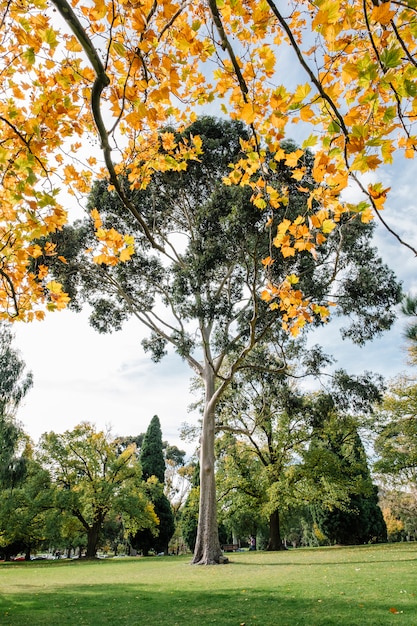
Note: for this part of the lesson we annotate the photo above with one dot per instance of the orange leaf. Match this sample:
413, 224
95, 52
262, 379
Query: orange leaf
382, 13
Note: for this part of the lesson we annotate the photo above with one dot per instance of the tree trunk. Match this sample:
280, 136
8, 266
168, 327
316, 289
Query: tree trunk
207, 548
92, 539
274, 542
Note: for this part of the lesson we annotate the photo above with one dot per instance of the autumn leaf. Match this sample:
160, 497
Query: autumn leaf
382, 13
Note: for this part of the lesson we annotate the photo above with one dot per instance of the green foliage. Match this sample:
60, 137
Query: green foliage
359, 518
396, 442
14, 384
145, 540
269, 466
400, 513
153, 469
189, 518
152, 453
24, 509
92, 479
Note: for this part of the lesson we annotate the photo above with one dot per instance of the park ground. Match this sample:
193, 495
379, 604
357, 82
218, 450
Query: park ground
353, 586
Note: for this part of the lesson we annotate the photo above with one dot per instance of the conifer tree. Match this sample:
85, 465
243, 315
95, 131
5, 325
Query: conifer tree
152, 452
153, 467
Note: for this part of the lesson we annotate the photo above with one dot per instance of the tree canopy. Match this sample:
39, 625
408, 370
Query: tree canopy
119, 72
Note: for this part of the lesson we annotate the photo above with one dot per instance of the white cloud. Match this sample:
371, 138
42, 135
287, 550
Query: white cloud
106, 379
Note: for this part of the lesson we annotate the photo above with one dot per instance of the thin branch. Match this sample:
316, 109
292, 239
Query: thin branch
310, 73
101, 82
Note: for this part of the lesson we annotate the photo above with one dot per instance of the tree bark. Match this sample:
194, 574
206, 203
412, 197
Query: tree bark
207, 548
92, 539
274, 542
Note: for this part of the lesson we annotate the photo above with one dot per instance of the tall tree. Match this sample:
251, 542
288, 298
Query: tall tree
14, 385
199, 290
92, 479
152, 454
153, 467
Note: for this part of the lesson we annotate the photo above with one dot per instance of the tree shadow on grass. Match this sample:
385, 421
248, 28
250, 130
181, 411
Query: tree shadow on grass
137, 605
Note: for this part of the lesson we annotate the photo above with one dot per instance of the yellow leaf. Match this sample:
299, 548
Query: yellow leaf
54, 287
35, 251
382, 13
96, 218
265, 295
328, 226
125, 255
287, 251
306, 114
248, 113
292, 279
292, 159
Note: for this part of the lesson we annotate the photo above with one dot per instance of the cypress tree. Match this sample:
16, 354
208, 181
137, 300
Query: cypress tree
152, 452
153, 464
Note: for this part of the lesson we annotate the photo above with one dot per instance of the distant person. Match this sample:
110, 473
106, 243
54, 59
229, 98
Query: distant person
252, 543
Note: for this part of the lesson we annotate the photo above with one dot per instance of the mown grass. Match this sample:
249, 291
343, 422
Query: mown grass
342, 586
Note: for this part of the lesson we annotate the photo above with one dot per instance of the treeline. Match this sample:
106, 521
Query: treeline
293, 469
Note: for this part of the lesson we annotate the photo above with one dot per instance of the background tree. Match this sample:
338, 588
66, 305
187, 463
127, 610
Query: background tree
396, 440
190, 510
207, 271
24, 510
270, 418
409, 309
17, 480
92, 479
399, 507
151, 454
359, 520
153, 470
14, 385
272, 462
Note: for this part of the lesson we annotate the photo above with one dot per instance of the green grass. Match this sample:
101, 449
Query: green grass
341, 586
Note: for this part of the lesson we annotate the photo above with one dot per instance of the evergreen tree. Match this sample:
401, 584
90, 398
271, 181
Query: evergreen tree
152, 452
153, 467
360, 519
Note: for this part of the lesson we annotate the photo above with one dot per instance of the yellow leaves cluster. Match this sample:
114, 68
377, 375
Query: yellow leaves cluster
114, 247
163, 63
293, 236
296, 311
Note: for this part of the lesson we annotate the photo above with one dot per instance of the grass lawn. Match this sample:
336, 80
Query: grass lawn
342, 586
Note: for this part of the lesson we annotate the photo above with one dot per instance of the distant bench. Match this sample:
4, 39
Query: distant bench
230, 547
